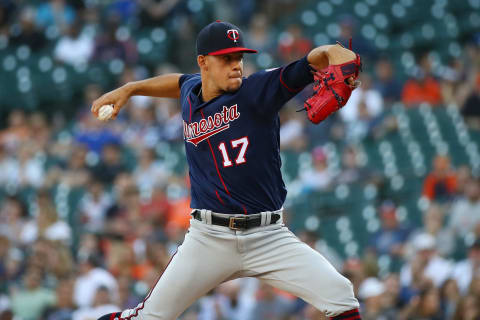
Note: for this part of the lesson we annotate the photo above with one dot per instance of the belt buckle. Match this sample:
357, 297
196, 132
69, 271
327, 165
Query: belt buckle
232, 221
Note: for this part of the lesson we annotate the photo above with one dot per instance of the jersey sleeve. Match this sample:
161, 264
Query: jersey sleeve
185, 77
270, 89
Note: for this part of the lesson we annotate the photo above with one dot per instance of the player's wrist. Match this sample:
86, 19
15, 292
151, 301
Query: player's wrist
130, 88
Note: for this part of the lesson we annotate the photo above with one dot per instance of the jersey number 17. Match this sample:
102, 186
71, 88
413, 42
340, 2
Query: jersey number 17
241, 143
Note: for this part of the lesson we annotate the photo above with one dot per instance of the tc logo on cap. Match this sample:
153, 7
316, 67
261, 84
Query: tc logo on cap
233, 34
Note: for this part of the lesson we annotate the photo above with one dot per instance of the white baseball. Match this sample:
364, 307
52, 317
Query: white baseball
105, 112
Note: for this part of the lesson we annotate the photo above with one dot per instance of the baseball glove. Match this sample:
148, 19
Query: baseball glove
334, 84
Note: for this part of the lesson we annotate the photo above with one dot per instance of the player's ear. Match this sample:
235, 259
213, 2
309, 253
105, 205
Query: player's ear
202, 62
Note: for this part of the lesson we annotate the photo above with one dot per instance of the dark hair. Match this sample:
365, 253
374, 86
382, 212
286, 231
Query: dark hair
20, 203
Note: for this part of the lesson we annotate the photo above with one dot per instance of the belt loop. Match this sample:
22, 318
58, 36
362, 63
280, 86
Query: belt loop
202, 215
208, 216
263, 218
268, 217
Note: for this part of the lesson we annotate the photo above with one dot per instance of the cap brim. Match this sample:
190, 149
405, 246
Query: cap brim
232, 50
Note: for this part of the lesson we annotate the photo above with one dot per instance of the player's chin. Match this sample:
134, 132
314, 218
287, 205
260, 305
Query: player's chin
233, 84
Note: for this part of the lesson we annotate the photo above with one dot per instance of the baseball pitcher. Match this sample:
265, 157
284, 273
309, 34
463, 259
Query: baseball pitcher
232, 142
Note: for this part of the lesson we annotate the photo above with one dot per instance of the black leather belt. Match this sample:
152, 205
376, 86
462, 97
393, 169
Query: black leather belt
238, 223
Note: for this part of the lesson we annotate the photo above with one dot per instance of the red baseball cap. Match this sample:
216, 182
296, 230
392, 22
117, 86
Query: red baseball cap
221, 38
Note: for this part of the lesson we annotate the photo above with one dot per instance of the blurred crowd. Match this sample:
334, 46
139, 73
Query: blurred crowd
91, 212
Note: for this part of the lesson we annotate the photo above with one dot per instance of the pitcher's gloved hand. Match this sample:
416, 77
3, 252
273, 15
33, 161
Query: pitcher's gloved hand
334, 84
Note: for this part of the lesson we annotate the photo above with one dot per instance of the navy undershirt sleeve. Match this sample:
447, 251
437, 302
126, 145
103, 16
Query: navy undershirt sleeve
298, 74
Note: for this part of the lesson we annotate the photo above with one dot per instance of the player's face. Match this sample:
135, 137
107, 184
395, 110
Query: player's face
226, 71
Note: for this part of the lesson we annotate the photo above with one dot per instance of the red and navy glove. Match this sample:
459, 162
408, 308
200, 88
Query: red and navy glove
332, 88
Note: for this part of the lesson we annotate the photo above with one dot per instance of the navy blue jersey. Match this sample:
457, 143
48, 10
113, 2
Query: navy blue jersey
232, 142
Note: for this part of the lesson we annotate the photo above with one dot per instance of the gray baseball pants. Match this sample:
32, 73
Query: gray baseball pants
212, 254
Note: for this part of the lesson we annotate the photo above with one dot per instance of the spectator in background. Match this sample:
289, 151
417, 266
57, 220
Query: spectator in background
142, 130
75, 47
55, 13
465, 211
92, 277
13, 218
292, 130
16, 132
468, 308
423, 87
128, 296
126, 211
230, 303
110, 164
355, 270
371, 293
259, 34
385, 83
452, 84
171, 124
270, 305
4, 248
433, 224
32, 300
425, 306
102, 303
178, 212
120, 256
318, 177
125, 10
64, 306
60, 263
93, 134
293, 44
38, 124
27, 33
94, 205
441, 183
75, 173
149, 172
156, 207
450, 297
155, 258
46, 225
30, 171
15, 265
469, 108
89, 245
109, 47
154, 13
167, 114
363, 110
391, 299
425, 264
8, 166
465, 271
352, 171
474, 288
7, 14
391, 237
464, 174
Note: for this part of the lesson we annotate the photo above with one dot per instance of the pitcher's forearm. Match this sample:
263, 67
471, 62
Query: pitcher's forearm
164, 86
